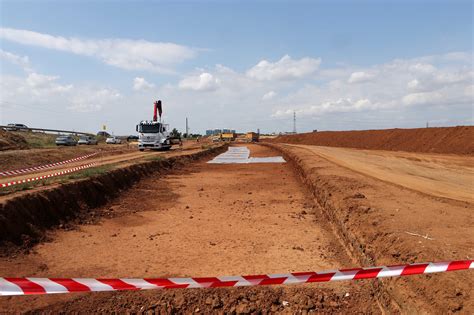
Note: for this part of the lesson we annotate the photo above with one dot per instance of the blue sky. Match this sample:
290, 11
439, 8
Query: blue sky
412, 62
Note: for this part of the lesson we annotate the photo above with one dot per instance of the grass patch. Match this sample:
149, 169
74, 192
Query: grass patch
89, 172
154, 158
15, 188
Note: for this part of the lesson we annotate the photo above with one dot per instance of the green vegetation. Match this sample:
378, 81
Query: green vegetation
175, 133
154, 158
90, 172
101, 139
15, 188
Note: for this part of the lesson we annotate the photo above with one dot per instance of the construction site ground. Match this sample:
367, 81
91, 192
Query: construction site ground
107, 156
325, 209
18, 159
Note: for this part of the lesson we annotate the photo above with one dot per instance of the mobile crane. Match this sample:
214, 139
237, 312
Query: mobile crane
153, 134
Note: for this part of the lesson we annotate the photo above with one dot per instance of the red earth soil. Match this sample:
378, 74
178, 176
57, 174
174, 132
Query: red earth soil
455, 140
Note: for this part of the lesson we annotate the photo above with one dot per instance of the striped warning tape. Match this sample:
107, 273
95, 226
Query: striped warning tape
28, 286
27, 180
43, 167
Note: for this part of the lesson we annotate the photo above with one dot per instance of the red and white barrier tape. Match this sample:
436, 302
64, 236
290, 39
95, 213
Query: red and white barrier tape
43, 167
28, 286
27, 180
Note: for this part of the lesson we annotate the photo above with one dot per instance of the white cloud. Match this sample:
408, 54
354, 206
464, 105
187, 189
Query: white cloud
47, 90
43, 85
360, 76
406, 92
400, 84
268, 96
469, 91
93, 99
122, 53
284, 69
458, 56
36, 80
331, 106
422, 68
422, 98
203, 82
413, 84
22, 61
140, 84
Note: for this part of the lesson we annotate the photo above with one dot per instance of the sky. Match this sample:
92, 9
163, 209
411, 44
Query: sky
244, 65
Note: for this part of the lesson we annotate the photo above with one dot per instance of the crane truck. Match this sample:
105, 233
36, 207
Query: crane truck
153, 134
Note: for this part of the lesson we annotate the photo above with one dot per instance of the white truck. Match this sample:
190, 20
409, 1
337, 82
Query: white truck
153, 134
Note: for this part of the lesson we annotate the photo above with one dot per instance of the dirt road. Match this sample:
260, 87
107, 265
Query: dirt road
101, 159
205, 220
449, 176
121, 156
18, 159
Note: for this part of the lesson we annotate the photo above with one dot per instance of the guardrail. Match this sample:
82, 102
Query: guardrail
46, 130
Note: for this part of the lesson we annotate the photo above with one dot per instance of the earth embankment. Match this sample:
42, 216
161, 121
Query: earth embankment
447, 140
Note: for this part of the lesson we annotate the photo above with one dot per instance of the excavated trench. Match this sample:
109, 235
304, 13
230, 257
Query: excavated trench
353, 247
213, 220
81, 199
25, 219
369, 231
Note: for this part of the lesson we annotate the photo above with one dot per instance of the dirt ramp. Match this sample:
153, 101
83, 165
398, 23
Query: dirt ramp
455, 140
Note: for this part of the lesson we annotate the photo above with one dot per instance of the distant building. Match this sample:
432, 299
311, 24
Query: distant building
216, 132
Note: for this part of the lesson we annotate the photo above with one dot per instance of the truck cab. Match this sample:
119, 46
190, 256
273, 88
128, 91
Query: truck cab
153, 135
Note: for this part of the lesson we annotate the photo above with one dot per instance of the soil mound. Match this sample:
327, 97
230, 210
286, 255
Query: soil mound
10, 141
261, 300
455, 140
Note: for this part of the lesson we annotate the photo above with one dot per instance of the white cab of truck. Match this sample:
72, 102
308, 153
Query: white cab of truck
153, 135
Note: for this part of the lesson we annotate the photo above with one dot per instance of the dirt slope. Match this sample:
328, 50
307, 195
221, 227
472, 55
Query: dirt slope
455, 140
10, 141
442, 175
386, 224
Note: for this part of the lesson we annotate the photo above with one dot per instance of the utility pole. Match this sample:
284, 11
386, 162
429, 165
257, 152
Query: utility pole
187, 128
294, 121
